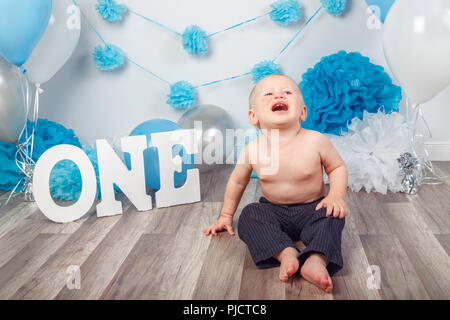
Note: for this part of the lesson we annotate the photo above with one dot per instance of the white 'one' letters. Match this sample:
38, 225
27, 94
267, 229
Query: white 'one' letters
113, 170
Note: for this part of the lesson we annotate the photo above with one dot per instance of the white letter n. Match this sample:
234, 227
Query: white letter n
113, 170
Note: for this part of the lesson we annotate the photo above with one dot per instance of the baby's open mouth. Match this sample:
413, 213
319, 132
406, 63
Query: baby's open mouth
280, 106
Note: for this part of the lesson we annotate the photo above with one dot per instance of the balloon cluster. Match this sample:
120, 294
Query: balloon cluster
36, 40
417, 48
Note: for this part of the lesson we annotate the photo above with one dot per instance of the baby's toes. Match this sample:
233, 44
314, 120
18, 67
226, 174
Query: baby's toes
291, 269
288, 269
283, 276
326, 284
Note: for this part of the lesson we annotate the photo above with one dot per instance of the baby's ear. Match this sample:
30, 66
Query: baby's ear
252, 118
303, 113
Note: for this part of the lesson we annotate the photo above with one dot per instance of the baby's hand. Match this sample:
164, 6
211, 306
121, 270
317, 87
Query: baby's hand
224, 222
335, 205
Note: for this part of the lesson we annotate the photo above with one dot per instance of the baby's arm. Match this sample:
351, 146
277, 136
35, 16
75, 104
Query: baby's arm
235, 188
337, 175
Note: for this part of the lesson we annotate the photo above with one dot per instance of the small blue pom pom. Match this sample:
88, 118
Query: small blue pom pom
194, 40
334, 7
110, 10
264, 69
182, 95
285, 12
109, 57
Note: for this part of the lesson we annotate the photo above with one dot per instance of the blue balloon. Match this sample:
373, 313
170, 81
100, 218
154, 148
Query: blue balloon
151, 162
384, 6
22, 25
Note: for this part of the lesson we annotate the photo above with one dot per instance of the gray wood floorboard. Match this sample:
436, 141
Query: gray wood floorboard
163, 254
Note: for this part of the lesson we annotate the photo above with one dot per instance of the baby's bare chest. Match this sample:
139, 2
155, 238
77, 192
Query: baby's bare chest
290, 163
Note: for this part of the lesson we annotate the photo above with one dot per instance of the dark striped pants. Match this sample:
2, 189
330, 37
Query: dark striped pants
268, 228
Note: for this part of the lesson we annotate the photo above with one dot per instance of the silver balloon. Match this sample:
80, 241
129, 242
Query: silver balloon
14, 91
211, 122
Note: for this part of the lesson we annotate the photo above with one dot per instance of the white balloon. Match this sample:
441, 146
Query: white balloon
58, 43
416, 41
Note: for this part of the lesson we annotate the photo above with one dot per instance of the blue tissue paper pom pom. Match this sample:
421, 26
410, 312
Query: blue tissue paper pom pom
65, 179
285, 12
194, 41
264, 69
182, 95
109, 57
9, 172
48, 134
334, 7
341, 86
110, 10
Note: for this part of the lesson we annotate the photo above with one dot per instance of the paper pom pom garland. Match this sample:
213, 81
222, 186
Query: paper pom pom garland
370, 150
195, 41
334, 7
182, 95
264, 69
341, 86
110, 10
109, 57
285, 12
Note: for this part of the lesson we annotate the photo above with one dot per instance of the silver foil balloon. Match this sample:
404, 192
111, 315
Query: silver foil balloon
14, 92
211, 122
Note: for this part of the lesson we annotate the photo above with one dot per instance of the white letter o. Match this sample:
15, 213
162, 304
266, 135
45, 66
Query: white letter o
41, 185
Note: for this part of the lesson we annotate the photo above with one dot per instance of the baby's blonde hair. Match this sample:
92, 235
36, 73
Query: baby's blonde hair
250, 97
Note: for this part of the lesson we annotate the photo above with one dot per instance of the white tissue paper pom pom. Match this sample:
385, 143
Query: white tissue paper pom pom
370, 150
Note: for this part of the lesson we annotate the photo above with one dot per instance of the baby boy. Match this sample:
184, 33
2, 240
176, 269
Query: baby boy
293, 206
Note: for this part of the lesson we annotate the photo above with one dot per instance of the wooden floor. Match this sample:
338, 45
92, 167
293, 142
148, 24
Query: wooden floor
162, 253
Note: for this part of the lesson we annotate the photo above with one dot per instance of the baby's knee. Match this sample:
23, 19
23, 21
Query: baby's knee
329, 224
248, 212
340, 221
330, 219
247, 217
335, 223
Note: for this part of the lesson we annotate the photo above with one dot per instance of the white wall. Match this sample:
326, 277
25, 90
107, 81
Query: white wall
101, 105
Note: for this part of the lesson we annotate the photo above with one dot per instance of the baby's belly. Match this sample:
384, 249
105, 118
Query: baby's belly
288, 192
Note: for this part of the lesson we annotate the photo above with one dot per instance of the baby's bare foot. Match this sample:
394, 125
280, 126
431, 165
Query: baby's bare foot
314, 270
289, 263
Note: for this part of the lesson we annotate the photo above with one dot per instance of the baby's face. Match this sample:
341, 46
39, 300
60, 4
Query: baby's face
276, 102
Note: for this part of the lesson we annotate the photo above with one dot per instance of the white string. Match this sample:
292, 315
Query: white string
24, 154
424, 180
